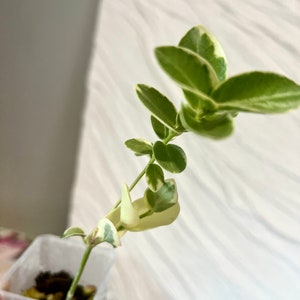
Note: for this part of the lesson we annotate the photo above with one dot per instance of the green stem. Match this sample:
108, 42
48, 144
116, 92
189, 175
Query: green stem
142, 173
77, 277
171, 135
137, 179
89, 248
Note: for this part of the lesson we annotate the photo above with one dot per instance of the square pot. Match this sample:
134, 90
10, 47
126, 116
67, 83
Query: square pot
51, 253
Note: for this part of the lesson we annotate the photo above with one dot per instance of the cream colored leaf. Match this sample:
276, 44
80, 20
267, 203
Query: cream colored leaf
165, 217
129, 216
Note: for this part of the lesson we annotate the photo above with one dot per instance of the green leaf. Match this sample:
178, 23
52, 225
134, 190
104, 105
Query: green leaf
164, 198
107, 233
139, 146
188, 69
217, 126
171, 157
258, 92
159, 128
129, 217
200, 103
204, 43
159, 105
154, 177
73, 231
180, 127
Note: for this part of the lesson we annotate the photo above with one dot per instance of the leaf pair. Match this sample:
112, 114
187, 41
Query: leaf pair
171, 157
198, 65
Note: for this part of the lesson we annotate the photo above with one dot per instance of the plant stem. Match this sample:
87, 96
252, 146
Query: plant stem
137, 179
152, 160
142, 173
77, 277
171, 135
89, 248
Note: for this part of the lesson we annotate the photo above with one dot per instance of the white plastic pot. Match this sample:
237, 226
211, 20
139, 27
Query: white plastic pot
50, 253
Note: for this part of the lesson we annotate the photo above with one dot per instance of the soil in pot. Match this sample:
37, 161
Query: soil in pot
55, 286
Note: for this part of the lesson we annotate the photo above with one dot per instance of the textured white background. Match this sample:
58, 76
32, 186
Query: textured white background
238, 234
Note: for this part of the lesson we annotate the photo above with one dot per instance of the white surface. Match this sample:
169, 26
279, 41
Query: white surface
238, 234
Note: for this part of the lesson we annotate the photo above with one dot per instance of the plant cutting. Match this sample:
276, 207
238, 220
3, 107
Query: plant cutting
212, 101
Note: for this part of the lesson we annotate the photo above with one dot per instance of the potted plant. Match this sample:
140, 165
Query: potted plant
198, 65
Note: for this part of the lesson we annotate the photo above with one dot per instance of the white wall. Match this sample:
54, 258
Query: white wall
44, 55
238, 233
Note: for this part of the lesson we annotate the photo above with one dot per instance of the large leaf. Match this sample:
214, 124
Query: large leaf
258, 92
148, 219
170, 157
164, 198
217, 126
156, 219
154, 177
139, 146
187, 68
204, 43
159, 105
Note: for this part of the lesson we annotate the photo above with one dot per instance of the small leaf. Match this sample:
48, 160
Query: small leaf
204, 43
258, 92
73, 231
128, 216
107, 233
139, 146
171, 157
217, 127
154, 177
159, 105
188, 69
164, 198
159, 128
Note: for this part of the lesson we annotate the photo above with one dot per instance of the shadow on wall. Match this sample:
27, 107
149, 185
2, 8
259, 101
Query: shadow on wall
45, 50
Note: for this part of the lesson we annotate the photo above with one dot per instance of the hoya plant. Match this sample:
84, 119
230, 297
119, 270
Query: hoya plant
212, 101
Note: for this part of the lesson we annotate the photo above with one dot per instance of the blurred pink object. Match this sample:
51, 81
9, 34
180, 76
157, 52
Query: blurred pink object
12, 245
